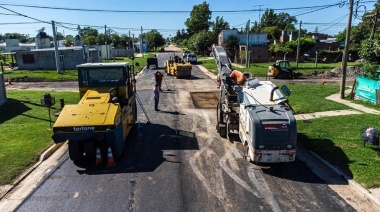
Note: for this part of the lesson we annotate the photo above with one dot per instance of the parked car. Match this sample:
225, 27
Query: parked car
185, 53
192, 58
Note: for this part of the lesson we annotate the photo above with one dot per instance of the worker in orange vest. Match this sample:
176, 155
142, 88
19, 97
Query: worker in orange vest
238, 77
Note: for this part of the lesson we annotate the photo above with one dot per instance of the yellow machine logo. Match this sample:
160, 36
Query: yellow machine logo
78, 129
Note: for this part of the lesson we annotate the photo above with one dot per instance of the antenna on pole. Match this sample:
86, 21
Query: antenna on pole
260, 11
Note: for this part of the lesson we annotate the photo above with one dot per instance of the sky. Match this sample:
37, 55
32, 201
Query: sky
168, 16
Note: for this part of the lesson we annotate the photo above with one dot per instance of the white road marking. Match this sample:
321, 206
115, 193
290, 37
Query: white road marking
197, 172
207, 118
260, 184
227, 169
235, 151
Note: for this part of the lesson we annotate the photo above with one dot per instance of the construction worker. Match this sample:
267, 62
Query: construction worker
238, 77
156, 95
158, 78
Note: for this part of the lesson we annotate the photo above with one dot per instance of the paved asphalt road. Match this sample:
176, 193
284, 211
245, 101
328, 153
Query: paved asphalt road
179, 163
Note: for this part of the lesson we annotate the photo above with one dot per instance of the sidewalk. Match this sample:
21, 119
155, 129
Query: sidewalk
372, 194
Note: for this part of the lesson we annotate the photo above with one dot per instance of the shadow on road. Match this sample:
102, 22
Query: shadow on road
298, 171
145, 151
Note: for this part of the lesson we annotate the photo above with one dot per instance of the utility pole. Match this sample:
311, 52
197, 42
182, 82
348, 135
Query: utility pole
105, 41
133, 42
345, 54
260, 12
373, 29
129, 42
57, 63
246, 50
298, 44
141, 42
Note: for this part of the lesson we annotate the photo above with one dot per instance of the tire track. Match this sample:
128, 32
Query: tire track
260, 184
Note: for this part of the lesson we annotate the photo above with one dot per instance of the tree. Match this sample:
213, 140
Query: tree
88, 31
115, 39
200, 42
21, 37
275, 23
279, 48
199, 19
154, 38
60, 36
232, 46
255, 27
90, 40
100, 39
305, 44
270, 30
218, 25
69, 40
125, 40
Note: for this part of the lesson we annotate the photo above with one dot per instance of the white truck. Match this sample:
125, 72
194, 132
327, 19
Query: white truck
259, 112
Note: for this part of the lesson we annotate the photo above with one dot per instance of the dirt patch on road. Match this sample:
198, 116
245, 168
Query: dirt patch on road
205, 100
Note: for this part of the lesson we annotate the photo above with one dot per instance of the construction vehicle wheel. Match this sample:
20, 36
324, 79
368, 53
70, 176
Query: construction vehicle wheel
134, 111
228, 130
223, 131
76, 151
90, 151
219, 113
247, 157
114, 92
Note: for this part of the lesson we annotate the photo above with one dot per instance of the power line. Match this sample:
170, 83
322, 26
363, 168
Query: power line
23, 15
20, 23
334, 24
163, 11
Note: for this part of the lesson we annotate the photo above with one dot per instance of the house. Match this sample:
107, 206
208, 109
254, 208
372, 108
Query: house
44, 59
288, 36
257, 44
12, 45
43, 56
253, 38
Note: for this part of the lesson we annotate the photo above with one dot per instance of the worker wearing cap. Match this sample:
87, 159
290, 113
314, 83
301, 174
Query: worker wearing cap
238, 77
158, 78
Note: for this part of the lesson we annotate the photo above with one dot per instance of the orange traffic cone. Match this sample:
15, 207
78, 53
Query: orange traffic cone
110, 161
9, 81
98, 157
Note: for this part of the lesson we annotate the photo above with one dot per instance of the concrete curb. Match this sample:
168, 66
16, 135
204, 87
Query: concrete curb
351, 182
44, 156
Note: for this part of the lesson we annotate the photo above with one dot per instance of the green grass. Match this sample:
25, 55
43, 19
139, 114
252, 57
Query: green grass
365, 103
208, 63
338, 140
141, 61
311, 98
67, 75
261, 69
40, 75
25, 131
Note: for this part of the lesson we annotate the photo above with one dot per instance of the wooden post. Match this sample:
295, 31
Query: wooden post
352, 94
